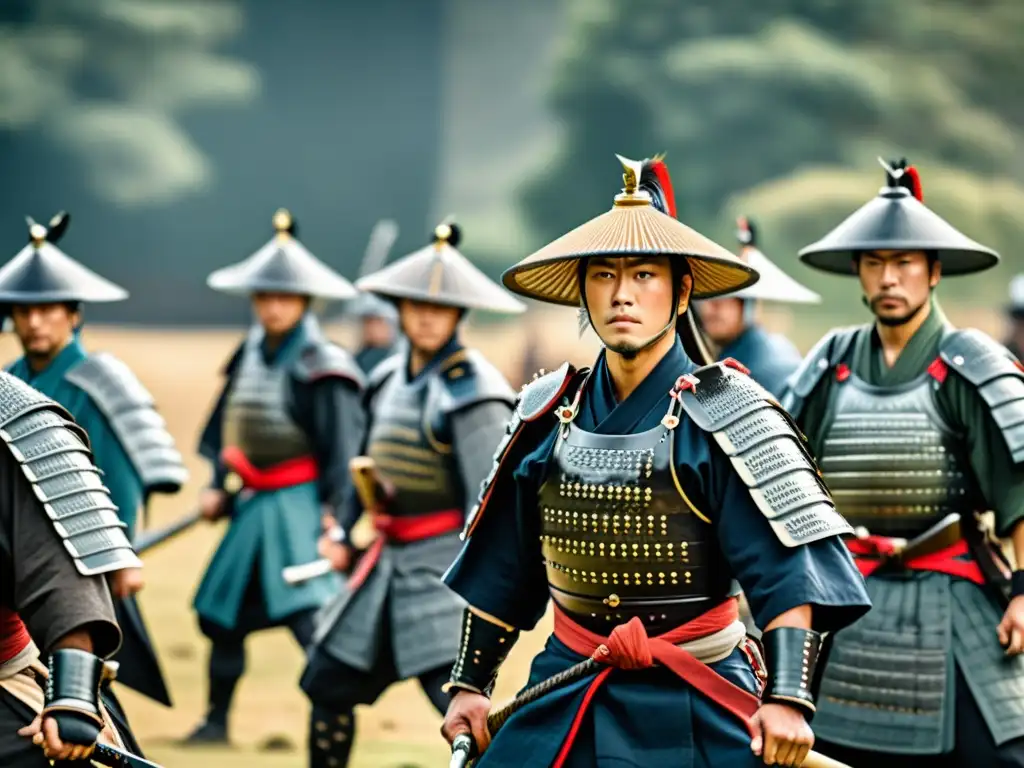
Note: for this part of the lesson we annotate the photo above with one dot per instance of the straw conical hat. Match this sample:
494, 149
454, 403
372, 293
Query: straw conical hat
898, 220
633, 226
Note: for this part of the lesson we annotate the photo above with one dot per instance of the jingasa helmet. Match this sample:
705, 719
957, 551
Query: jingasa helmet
283, 265
439, 274
774, 285
898, 220
639, 223
41, 273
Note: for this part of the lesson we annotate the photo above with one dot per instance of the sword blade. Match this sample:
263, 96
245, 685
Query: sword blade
294, 575
104, 754
150, 539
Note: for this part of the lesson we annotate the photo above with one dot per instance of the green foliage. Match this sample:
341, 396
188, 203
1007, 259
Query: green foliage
763, 105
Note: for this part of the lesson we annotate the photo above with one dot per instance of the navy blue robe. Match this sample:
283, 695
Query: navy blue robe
770, 357
646, 718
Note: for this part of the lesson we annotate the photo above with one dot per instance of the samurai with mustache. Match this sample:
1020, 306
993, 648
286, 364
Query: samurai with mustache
916, 423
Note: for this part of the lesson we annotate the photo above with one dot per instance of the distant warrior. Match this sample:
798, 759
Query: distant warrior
631, 495
280, 438
730, 322
43, 291
378, 318
1015, 314
918, 427
60, 534
435, 414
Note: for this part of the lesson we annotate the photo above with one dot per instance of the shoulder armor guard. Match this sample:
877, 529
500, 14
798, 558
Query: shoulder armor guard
383, 370
131, 413
472, 379
766, 450
538, 398
998, 377
232, 362
327, 360
54, 455
825, 355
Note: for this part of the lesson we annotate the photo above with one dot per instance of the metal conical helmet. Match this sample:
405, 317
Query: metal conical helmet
282, 266
43, 274
439, 274
774, 285
638, 223
898, 220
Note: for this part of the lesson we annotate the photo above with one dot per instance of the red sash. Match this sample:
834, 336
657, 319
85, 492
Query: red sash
867, 554
404, 530
283, 475
629, 647
14, 637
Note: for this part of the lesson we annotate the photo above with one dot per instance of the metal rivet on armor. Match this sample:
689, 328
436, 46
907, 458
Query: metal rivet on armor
958, 360
323, 745
612, 601
340, 736
321, 726
344, 719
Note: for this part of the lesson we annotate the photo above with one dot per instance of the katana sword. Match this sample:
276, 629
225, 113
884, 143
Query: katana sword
294, 575
104, 754
150, 539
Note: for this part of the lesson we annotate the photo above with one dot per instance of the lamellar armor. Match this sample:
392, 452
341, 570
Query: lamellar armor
893, 464
620, 536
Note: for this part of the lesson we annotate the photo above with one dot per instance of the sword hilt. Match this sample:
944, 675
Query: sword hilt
463, 751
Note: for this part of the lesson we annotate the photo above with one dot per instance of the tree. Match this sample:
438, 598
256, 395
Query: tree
745, 95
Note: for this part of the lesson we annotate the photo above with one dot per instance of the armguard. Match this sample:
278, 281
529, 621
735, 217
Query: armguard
825, 355
54, 455
767, 451
791, 656
536, 400
998, 377
73, 694
132, 415
483, 649
470, 378
325, 360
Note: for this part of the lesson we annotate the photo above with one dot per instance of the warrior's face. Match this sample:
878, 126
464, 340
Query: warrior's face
377, 331
722, 319
278, 313
897, 284
631, 300
428, 326
44, 329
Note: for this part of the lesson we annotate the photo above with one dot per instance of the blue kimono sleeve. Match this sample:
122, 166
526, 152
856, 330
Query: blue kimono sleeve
119, 474
777, 578
500, 570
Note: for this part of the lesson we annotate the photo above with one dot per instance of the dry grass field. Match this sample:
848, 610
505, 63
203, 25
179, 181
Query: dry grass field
181, 370
269, 719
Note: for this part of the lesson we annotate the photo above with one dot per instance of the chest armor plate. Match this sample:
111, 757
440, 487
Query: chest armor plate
410, 441
617, 538
256, 417
891, 462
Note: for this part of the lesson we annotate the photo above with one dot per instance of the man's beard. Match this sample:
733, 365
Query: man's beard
626, 350
890, 321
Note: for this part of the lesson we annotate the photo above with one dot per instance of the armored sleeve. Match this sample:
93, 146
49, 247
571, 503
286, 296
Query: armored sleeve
983, 398
477, 431
775, 522
131, 413
211, 438
62, 523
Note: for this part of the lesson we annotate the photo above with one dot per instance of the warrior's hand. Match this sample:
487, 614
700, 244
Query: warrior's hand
339, 553
126, 582
48, 737
1011, 628
783, 735
212, 503
467, 713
